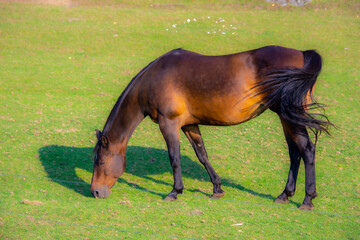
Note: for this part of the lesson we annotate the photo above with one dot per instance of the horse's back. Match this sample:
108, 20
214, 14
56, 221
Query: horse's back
212, 89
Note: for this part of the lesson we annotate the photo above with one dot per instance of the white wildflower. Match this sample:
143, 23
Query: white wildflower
237, 224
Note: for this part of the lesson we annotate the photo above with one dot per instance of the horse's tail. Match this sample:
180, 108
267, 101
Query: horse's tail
288, 92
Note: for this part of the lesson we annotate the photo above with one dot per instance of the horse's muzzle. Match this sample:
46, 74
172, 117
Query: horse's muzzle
101, 191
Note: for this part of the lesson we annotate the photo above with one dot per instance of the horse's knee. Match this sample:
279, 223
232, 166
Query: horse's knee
175, 163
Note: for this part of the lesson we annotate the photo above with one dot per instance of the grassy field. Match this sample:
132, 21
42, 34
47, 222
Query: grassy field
62, 67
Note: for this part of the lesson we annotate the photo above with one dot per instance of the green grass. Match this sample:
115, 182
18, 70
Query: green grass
62, 69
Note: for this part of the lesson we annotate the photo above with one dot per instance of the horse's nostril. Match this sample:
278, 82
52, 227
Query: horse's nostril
100, 192
95, 193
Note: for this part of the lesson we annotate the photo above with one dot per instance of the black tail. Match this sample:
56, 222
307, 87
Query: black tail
285, 92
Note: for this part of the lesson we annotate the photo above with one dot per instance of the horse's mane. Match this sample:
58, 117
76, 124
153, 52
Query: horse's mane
130, 86
117, 105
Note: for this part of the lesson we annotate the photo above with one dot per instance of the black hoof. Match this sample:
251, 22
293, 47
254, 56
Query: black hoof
306, 207
170, 198
307, 203
218, 195
281, 200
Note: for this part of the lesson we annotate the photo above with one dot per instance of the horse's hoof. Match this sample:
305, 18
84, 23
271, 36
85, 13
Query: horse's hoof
306, 207
170, 198
281, 201
218, 195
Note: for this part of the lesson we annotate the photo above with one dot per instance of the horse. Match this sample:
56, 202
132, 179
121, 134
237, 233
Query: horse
183, 89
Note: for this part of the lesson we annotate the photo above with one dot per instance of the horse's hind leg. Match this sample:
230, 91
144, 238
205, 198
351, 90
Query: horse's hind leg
295, 158
300, 146
192, 132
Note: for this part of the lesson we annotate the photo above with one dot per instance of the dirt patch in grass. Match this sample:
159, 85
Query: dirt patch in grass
28, 202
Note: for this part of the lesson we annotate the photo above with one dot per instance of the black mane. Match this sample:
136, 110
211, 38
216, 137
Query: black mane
116, 107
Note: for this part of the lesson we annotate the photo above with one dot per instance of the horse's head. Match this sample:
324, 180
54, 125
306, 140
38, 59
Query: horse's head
109, 165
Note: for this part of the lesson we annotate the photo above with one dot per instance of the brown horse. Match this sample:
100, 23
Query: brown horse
183, 89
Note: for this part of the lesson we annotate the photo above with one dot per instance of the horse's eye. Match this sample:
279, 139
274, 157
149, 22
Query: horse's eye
101, 163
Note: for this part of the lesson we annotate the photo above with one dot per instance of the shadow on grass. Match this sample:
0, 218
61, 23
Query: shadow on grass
62, 162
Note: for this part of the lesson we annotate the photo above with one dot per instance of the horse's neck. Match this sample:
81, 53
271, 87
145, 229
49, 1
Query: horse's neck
126, 116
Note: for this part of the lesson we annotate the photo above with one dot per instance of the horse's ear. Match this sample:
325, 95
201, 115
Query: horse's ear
104, 141
102, 138
98, 133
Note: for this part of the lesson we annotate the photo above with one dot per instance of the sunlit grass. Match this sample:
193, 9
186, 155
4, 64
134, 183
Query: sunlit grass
62, 69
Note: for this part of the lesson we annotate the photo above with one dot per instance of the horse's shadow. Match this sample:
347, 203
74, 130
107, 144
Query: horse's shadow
62, 163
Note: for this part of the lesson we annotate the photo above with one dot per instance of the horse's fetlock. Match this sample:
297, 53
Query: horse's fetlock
311, 195
217, 182
178, 190
290, 194
217, 189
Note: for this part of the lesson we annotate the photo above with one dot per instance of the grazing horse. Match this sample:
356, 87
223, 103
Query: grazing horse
182, 89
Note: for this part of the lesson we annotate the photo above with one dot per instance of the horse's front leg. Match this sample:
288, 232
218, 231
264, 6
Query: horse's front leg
170, 132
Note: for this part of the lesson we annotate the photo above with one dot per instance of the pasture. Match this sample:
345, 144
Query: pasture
62, 68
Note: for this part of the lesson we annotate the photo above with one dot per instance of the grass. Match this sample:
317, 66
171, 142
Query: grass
62, 69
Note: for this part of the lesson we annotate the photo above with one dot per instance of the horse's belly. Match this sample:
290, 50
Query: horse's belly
227, 112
